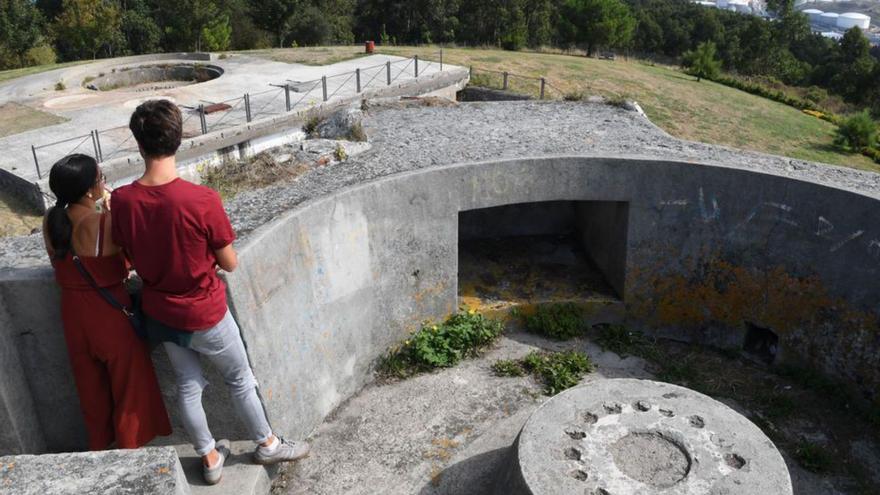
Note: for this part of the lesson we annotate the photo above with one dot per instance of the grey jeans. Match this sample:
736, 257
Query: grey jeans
223, 346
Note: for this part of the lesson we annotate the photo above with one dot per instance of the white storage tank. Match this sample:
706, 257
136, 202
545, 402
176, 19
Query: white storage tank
813, 14
741, 6
721, 4
852, 19
829, 19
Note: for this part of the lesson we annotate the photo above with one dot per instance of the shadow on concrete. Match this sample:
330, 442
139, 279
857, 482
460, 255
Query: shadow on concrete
475, 475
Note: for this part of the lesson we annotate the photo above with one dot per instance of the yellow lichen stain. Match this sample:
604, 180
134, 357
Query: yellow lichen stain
163, 470
293, 391
269, 394
732, 295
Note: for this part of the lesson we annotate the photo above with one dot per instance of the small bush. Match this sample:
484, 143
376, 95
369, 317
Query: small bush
558, 370
88, 79
339, 153
59, 86
462, 335
508, 367
313, 120
619, 101
574, 96
357, 132
558, 321
856, 132
813, 457
40, 55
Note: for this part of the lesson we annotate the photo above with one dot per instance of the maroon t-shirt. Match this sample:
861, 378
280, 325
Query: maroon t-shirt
170, 233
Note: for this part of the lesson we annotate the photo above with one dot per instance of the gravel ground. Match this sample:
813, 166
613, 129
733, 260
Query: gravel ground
407, 137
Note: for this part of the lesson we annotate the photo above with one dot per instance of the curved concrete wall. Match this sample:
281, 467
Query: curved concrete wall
132, 76
323, 290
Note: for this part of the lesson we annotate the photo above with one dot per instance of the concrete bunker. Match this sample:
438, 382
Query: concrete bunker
153, 77
543, 251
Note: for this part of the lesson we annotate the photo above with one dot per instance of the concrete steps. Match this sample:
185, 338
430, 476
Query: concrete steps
240, 475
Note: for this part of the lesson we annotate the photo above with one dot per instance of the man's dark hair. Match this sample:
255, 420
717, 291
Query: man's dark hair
157, 126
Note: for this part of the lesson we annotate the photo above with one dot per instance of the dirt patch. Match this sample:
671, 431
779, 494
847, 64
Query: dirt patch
16, 118
263, 170
16, 218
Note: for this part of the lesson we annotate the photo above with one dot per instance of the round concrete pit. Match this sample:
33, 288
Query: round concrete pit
152, 77
624, 436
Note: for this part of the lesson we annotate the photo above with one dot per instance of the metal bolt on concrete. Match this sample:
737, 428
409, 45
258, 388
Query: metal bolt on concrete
616, 437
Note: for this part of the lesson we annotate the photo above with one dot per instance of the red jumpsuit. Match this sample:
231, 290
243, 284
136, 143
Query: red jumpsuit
118, 392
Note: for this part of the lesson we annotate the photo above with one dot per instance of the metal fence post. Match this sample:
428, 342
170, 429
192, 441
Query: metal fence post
357, 78
543, 84
504, 86
247, 106
388, 71
441, 59
287, 96
100, 156
471, 72
36, 162
324, 86
416, 58
94, 145
202, 119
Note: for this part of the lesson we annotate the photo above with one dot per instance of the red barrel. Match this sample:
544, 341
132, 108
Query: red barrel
370, 46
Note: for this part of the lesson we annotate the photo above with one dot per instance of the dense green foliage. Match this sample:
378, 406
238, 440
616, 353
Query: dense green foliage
784, 49
556, 370
702, 63
857, 132
462, 335
559, 321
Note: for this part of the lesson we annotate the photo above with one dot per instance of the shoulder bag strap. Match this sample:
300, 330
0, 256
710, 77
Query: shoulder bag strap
105, 294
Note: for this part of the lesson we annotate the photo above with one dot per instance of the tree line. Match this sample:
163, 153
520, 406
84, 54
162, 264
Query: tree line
42, 31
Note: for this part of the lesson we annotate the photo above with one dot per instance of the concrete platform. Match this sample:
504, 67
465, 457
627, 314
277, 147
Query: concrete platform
240, 475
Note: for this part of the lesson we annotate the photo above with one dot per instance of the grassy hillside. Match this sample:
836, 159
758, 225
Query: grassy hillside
687, 109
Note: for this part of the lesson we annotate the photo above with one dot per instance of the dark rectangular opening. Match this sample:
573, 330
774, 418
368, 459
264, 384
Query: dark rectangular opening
543, 251
761, 343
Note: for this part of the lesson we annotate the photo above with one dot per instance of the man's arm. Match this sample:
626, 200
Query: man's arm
227, 259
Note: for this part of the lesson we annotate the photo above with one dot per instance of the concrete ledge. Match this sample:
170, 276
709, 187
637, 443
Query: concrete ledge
240, 475
149, 470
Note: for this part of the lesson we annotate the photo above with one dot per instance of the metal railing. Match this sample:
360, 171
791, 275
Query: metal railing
539, 86
207, 116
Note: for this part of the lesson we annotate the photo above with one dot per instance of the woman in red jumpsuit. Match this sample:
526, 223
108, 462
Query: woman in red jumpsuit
118, 392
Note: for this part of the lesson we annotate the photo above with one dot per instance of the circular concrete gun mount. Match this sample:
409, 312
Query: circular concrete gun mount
624, 436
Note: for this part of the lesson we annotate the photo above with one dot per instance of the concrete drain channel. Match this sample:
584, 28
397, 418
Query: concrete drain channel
625, 436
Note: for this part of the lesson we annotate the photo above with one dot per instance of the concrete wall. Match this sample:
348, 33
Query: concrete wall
323, 290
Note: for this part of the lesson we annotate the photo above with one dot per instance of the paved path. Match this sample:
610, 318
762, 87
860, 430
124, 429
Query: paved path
108, 111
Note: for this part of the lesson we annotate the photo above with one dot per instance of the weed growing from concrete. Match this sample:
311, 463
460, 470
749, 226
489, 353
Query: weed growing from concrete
357, 132
558, 370
508, 367
339, 153
813, 457
464, 334
313, 120
559, 321
59, 86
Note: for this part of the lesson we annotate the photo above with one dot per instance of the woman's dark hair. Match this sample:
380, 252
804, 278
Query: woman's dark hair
158, 128
70, 179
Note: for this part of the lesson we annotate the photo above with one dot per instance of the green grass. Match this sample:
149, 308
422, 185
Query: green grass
677, 103
309, 55
7, 75
556, 370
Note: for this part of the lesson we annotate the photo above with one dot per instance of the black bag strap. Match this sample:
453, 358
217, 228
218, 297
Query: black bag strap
105, 294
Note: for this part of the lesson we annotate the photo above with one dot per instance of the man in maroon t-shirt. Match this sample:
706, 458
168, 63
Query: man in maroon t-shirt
176, 235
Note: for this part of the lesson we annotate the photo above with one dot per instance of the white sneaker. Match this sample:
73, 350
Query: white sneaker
284, 451
214, 474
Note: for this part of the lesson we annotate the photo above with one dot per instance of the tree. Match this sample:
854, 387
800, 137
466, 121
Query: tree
217, 35
84, 27
596, 23
20, 24
274, 16
142, 34
857, 132
702, 62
